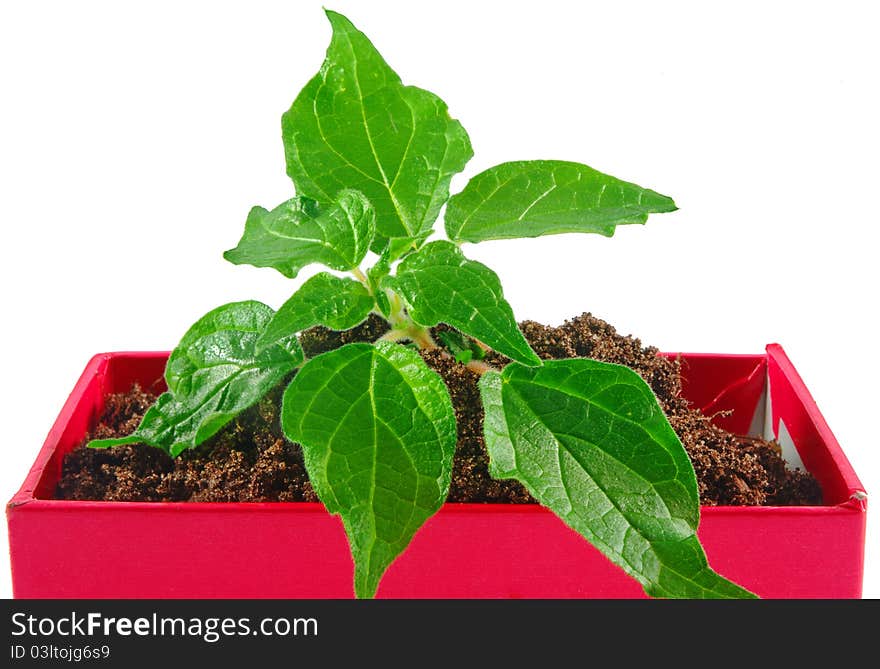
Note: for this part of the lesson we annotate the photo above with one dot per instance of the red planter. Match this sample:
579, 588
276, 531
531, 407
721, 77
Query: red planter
160, 550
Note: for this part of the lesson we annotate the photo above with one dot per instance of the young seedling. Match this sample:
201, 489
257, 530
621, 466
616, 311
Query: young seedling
371, 161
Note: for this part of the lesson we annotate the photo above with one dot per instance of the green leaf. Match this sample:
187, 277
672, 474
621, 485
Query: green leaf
463, 348
464, 357
383, 304
375, 274
381, 269
440, 285
530, 198
355, 125
327, 300
214, 374
590, 442
300, 232
378, 434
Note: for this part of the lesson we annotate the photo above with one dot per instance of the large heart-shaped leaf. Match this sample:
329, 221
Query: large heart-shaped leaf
214, 374
300, 232
378, 433
355, 125
530, 198
589, 441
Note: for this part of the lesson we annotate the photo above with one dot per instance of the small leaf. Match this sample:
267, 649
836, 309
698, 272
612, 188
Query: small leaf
378, 433
214, 374
530, 198
375, 275
381, 269
383, 304
589, 441
463, 348
300, 232
442, 286
327, 300
355, 125
464, 357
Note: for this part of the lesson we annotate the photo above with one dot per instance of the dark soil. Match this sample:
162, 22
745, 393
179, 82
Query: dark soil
250, 460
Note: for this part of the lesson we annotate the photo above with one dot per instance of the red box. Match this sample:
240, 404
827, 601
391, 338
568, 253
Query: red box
160, 550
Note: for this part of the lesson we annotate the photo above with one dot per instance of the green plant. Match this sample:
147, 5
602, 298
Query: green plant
371, 161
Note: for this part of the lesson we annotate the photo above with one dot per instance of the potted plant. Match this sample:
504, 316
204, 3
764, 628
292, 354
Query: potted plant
372, 161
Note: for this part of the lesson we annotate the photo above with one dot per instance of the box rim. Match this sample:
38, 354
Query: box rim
857, 495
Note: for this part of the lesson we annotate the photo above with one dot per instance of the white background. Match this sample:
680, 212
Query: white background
134, 137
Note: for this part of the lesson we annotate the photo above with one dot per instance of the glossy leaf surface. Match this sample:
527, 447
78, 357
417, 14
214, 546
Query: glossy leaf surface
440, 285
214, 374
589, 441
355, 125
325, 299
300, 232
531, 198
378, 432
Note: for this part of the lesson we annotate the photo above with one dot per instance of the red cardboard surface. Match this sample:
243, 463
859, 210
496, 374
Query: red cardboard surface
164, 550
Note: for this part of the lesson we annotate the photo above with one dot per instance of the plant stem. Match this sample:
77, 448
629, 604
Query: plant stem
422, 338
396, 307
479, 367
482, 345
358, 274
403, 327
394, 335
